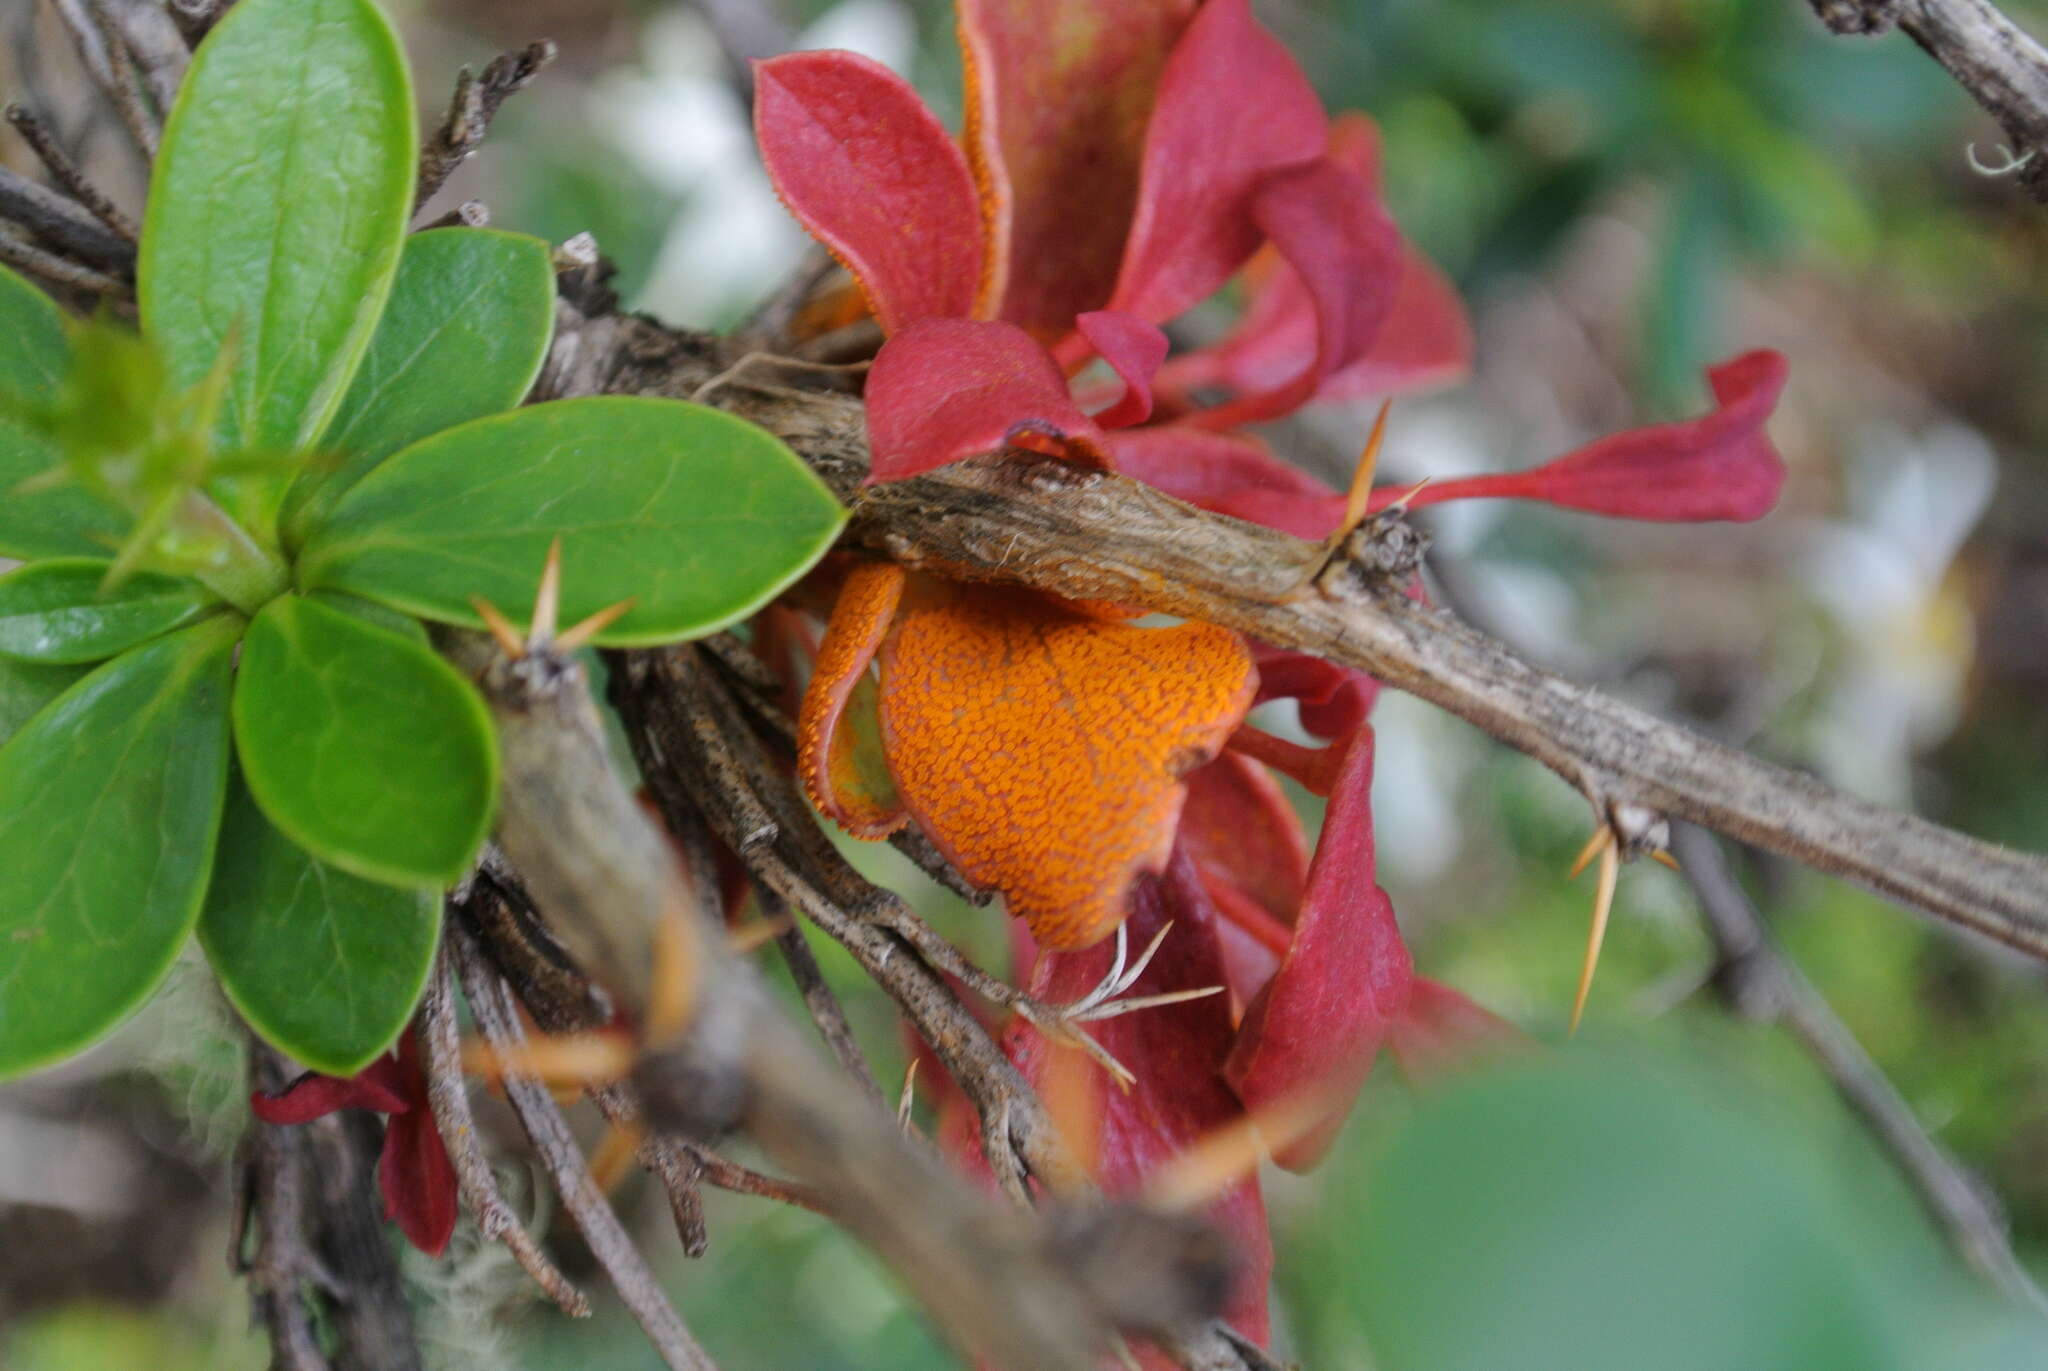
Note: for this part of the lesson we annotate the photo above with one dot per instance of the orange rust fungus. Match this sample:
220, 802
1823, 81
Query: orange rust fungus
845, 780
1042, 749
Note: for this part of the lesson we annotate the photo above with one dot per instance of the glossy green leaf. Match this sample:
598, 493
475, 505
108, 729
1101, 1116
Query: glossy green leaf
363, 746
325, 966
25, 687
34, 355
462, 336
110, 801
697, 516
404, 625
55, 611
278, 208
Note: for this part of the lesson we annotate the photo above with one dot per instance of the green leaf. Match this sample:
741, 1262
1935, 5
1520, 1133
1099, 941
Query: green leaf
404, 625
25, 687
367, 749
325, 966
110, 801
463, 335
278, 208
34, 355
55, 611
697, 516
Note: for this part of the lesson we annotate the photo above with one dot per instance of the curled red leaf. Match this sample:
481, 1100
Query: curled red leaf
944, 389
1442, 1031
1227, 473
868, 170
1311, 1035
1329, 226
1718, 466
1133, 349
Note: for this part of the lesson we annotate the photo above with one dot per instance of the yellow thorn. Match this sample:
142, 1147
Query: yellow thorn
1401, 501
613, 1156
672, 992
547, 601
502, 632
574, 637
1603, 905
570, 1059
1602, 836
1221, 1157
750, 937
1360, 494
1666, 859
908, 1098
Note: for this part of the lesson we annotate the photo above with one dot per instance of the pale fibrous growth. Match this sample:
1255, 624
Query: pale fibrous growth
317, 557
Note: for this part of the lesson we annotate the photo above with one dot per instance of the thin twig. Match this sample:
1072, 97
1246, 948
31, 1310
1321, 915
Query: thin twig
60, 271
122, 83
448, 1094
1993, 59
497, 1018
196, 18
1759, 981
68, 174
825, 1010
470, 111
62, 223
159, 50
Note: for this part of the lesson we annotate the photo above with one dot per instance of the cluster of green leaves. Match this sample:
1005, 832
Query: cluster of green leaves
219, 707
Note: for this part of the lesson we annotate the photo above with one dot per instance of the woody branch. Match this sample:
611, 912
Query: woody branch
1094, 535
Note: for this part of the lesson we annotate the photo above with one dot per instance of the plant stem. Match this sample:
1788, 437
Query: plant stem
246, 574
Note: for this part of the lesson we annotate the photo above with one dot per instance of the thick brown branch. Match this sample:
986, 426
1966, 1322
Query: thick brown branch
1092, 535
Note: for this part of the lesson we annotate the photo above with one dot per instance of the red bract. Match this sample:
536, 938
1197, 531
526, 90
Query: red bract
1176, 1052
876, 179
414, 1172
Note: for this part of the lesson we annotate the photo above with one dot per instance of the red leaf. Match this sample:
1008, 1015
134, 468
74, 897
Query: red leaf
1442, 1031
1718, 466
944, 389
1058, 96
1426, 341
1176, 1053
1313, 1032
1331, 228
873, 176
1334, 700
414, 1172
1233, 107
1229, 474
1134, 349
378, 1087
1246, 841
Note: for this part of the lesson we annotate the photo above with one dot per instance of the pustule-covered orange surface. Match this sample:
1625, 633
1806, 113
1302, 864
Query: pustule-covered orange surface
837, 755
1042, 749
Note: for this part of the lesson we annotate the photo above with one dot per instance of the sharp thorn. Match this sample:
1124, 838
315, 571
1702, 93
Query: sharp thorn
1117, 1008
1359, 497
1603, 905
1663, 858
547, 601
1400, 502
502, 632
1596, 844
907, 1099
578, 635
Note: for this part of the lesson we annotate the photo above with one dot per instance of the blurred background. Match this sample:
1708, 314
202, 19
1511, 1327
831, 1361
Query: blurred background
1625, 190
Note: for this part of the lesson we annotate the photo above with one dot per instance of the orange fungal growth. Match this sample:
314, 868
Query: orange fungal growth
1042, 749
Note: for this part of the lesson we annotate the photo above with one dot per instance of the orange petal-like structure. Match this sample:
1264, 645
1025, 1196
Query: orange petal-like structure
1042, 749
838, 754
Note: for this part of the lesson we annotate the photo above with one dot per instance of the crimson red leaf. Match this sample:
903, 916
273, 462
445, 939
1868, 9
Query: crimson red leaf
1441, 1031
1134, 349
1176, 1053
1228, 474
943, 389
1718, 466
1313, 1032
1334, 700
378, 1087
1425, 342
1330, 226
1246, 842
414, 1172
873, 176
1058, 96
1233, 107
